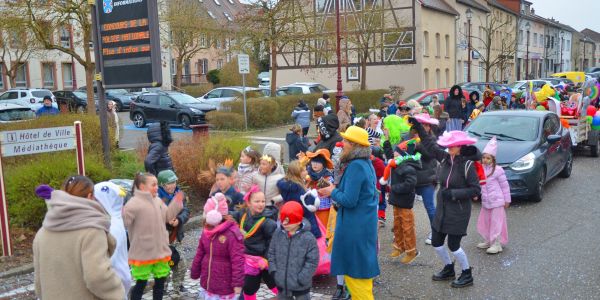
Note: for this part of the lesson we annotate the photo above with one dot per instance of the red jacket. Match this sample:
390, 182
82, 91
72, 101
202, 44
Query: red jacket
219, 260
379, 167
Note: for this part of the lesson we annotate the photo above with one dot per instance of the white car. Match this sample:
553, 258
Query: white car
217, 96
523, 85
32, 98
10, 112
303, 88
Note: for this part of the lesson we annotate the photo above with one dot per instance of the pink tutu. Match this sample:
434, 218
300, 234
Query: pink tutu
492, 225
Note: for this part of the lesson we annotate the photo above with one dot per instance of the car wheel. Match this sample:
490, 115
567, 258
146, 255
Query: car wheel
566, 171
595, 149
539, 189
185, 121
138, 120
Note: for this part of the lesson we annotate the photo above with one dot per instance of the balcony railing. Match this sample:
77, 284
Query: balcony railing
190, 79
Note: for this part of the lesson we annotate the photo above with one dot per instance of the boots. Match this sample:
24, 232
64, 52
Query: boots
445, 274
396, 251
483, 245
410, 257
495, 248
341, 293
465, 279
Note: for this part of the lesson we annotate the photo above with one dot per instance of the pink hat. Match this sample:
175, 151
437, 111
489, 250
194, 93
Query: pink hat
215, 208
492, 147
455, 138
427, 119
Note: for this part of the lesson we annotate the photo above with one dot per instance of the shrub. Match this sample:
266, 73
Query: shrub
225, 120
25, 208
213, 76
199, 89
262, 112
230, 76
364, 100
125, 164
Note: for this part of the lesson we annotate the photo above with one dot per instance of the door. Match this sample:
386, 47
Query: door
213, 97
167, 109
149, 105
554, 152
10, 97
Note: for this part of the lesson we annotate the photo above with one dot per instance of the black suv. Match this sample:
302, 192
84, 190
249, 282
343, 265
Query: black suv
173, 107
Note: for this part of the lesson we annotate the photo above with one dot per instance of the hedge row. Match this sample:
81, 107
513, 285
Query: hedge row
274, 111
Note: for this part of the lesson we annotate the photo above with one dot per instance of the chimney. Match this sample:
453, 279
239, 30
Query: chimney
532, 11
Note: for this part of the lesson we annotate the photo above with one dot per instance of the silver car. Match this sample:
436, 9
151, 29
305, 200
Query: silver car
220, 95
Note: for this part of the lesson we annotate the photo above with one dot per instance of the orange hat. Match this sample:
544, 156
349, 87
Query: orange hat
324, 153
292, 211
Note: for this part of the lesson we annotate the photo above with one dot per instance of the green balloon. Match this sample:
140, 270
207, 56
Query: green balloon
539, 107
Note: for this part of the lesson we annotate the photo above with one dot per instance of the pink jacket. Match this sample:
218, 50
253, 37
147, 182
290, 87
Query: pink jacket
495, 192
219, 260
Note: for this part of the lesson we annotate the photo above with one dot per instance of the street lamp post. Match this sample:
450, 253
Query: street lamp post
338, 95
562, 34
527, 27
469, 14
583, 61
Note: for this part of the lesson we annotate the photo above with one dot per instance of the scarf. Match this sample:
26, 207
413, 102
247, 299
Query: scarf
315, 176
245, 168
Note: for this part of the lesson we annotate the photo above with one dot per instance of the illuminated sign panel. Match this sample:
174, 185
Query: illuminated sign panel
129, 43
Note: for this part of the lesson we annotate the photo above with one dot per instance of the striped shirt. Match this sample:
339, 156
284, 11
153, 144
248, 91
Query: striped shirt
373, 135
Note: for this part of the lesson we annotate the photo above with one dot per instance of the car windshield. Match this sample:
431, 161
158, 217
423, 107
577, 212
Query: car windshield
515, 85
80, 95
41, 94
184, 99
415, 96
505, 127
322, 87
16, 114
117, 91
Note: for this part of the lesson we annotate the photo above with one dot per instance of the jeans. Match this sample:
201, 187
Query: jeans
428, 194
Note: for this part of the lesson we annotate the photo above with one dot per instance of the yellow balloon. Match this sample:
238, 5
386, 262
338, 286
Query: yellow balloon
543, 94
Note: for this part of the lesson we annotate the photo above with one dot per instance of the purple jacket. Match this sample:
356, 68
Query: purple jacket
495, 192
219, 260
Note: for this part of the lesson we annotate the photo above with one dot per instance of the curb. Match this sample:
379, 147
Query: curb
192, 223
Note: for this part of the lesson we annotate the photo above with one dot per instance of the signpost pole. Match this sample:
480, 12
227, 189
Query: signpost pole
101, 95
79, 149
4, 229
244, 92
244, 68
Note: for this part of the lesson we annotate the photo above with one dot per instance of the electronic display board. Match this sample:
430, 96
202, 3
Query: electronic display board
129, 43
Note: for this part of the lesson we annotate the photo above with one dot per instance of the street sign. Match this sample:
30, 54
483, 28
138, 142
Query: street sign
243, 63
129, 43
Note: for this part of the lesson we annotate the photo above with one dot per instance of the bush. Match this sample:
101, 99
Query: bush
25, 208
199, 89
225, 120
125, 164
364, 100
213, 76
230, 76
262, 112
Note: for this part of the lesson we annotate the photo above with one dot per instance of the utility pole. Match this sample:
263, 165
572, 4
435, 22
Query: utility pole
338, 38
469, 14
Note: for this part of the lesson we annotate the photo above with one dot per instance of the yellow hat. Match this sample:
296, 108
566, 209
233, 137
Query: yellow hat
357, 135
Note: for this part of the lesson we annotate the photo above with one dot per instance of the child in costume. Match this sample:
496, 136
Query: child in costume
145, 215
224, 181
479, 107
110, 196
266, 179
249, 160
293, 254
168, 188
291, 188
402, 197
219, 260
495, 197
320, 174
257, 226
379, 167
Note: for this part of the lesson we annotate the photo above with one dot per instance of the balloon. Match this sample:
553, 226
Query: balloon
543, 94
541, 108
594, 92
596, 121
597, 127
591, 111
597, 114
588, 119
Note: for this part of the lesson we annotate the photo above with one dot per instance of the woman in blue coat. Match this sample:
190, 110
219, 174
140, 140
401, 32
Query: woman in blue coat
354, 252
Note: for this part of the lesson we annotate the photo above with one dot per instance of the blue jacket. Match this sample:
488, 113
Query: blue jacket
301, 115
182, 217
234, 198
47, 111
355, 244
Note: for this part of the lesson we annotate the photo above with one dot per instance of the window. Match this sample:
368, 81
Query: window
521, 37
535, 39
551, 126
426, 43
481, 69
202, 66
426, 78
48, 75
65, 36
541, 40
231, 93
214, 94
218, 44
447, 38
9, 96
164, 101
186, 67
2, 77
67, 74
219, 64
568, 44
465, 71
437, 45
210, 13
228, 16
21, 78
447, 83
149, 99
437, 78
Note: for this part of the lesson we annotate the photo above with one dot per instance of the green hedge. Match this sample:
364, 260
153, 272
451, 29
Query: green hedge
274, 111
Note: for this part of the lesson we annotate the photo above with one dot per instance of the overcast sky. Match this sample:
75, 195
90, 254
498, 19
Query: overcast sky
579, 14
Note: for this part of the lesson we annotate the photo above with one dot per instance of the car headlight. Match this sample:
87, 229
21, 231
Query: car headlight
196, 111
524, 163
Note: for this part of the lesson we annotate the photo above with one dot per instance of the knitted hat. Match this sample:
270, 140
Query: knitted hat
273, 149
215, 208
357, 135
292, 211
492, 147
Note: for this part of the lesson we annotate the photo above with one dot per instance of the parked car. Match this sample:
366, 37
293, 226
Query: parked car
10, 112
533, 148
523, 85
32, 98
481, 86
76, 100
121, 97
264, 80
568, 83
217, 96
593, 69
139, 91
303, 88
174, 107
595, 75
424, 97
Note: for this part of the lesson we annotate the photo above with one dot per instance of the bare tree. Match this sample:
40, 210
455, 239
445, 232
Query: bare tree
18, 44
46, 17
497, 47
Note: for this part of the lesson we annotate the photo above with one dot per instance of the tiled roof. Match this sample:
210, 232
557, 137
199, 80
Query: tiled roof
500, 6
223, 11
591, 34
439, 5
474, 4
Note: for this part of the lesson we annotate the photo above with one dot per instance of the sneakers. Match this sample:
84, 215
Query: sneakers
381, 222
410, 257
465, 279
483, 245
396, 252
418, 198
428, 239
495, 248
447, 273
